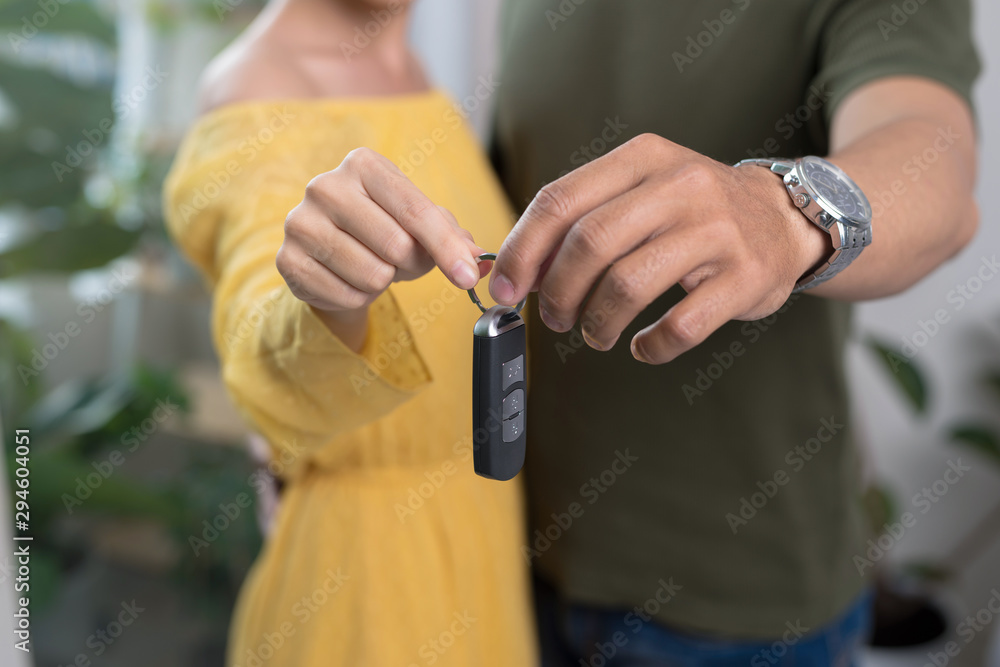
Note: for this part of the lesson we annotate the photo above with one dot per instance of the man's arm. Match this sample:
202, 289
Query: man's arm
916, 137
652, 214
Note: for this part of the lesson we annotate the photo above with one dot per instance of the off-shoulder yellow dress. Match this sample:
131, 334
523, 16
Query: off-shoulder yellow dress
388, 549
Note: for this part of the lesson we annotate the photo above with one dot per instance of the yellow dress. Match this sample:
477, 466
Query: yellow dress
387, 548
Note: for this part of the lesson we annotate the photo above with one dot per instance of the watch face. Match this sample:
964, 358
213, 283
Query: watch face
836, 191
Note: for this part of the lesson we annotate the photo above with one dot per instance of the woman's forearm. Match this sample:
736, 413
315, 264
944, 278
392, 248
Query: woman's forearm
350, 326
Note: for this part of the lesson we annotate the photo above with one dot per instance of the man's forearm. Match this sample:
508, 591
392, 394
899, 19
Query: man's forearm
624, 228
918, 170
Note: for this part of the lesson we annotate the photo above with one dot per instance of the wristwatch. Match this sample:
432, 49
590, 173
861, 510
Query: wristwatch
833, 202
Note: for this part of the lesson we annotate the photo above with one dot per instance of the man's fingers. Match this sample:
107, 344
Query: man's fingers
638, 279
711, 304
560, 204
418, 216
595, 242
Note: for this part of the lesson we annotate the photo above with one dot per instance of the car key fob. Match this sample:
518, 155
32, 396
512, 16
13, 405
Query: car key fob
498, 393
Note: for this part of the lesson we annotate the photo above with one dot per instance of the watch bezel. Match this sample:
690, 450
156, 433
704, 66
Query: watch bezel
829, 207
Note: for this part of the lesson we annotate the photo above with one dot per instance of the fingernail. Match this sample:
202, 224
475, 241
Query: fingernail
596, 345
502, 290
551, 323
465, 274
638, 352
590, 341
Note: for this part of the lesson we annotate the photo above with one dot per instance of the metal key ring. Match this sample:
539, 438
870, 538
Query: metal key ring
472, 290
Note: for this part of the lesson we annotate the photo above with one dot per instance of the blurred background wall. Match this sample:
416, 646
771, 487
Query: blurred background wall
101, 326
959, 360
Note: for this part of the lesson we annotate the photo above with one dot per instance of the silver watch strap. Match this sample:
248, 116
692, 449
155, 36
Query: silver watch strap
853, 244
779, 167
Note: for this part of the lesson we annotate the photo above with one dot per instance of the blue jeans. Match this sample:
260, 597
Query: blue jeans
574, 635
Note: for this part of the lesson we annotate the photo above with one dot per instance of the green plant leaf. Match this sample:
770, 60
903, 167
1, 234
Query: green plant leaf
70, 18
79, 406
48, 573
68, 249
926, 571
16, 396
979, 437
60, 128
908, 376
879, 506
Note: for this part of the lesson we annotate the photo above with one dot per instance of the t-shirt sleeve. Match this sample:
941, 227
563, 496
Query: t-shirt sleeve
865, 40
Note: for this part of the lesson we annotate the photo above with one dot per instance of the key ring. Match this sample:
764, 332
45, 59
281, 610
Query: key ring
472, 290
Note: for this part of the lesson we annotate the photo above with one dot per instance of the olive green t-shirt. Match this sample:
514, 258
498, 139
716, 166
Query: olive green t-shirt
731, 474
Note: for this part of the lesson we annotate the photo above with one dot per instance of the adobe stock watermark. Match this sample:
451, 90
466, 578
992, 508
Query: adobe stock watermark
88, 311
635, 621
282, 458
419, 321
230, 512
302, 611
248, 149
699, 43
131, 440
435, 647
922, 503
363, 35
899, 17
223, 7
33, 23
705, 378
605, 140
213, 528
796, 459
590, 491
418, 495
566, 8
773, 654
257, 315
579, 337
623, 287
451, 120
968, 629
103, 638
913, 169
612, 130
792, 122
123, 105
956, 299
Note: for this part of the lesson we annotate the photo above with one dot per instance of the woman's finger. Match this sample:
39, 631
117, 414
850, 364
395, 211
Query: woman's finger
386, 185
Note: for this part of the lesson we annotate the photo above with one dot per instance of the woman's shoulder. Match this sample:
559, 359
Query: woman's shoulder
251, 69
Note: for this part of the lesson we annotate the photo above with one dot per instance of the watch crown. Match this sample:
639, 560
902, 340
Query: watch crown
801, 199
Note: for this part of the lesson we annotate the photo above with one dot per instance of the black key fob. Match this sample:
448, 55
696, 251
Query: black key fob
498, 393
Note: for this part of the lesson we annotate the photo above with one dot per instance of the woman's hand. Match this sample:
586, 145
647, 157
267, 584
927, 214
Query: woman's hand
360, 228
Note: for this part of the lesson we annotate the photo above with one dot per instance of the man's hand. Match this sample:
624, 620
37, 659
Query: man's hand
647, 216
